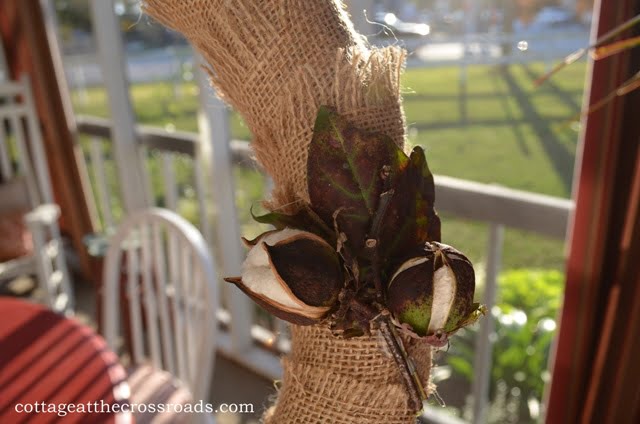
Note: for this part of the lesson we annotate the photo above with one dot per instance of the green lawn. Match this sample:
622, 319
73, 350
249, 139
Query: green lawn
497, 130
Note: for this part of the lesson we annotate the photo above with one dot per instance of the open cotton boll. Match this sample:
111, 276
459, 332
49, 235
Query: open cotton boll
258, 275
433, 294
444, 291
257, 256
295, 275
408, 264
262, 281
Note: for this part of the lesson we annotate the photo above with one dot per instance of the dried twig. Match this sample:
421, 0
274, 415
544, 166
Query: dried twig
573, 57
373, 239
405, 364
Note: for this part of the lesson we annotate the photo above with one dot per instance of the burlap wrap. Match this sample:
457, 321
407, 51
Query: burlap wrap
331, 380
276, 62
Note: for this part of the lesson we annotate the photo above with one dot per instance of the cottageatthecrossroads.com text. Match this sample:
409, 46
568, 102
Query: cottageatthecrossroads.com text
102, 407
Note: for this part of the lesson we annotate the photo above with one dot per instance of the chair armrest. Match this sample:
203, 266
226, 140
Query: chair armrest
46, 214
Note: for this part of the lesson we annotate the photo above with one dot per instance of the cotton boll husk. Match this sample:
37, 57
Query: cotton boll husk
285, 250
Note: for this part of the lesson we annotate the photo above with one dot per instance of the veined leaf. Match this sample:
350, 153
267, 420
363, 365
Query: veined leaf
410, 219
344, 173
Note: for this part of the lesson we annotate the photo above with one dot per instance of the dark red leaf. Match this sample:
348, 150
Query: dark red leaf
344, 167
410, 219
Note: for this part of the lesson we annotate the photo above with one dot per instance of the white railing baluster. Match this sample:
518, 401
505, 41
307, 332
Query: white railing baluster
99, 173
151, 309
133, 279
186, 282
44, 267
160, 269
282, 341
66, 290
175, 271
482, 359
205, 225
146, 174
37, 150
170, 186
200, 300
24, 164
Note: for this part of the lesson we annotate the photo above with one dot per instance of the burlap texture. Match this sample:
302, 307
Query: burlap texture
276, 62
338, 381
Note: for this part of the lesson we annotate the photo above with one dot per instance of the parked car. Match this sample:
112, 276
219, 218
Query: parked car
549, 18
552, 16
455, 23
401, 28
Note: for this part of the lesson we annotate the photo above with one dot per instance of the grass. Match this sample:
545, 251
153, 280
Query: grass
496, 129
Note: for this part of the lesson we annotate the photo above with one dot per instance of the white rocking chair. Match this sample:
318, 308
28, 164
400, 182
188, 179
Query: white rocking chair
25, 186
161, 265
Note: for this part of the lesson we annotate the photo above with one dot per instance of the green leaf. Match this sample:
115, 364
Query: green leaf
410, 219
344, 174
305, 219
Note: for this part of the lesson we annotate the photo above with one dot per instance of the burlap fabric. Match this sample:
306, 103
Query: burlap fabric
331, 380
276, 62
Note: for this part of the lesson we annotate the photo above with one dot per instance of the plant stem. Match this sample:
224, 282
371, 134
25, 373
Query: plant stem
385, 198
372, 242
406, 366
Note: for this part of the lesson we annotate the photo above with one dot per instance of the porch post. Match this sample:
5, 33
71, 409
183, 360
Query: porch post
112, 61
215, 151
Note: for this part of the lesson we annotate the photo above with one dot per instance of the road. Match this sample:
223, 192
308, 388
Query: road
177, 63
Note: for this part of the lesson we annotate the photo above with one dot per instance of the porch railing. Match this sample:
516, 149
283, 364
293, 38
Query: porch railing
497, 206
160, 151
